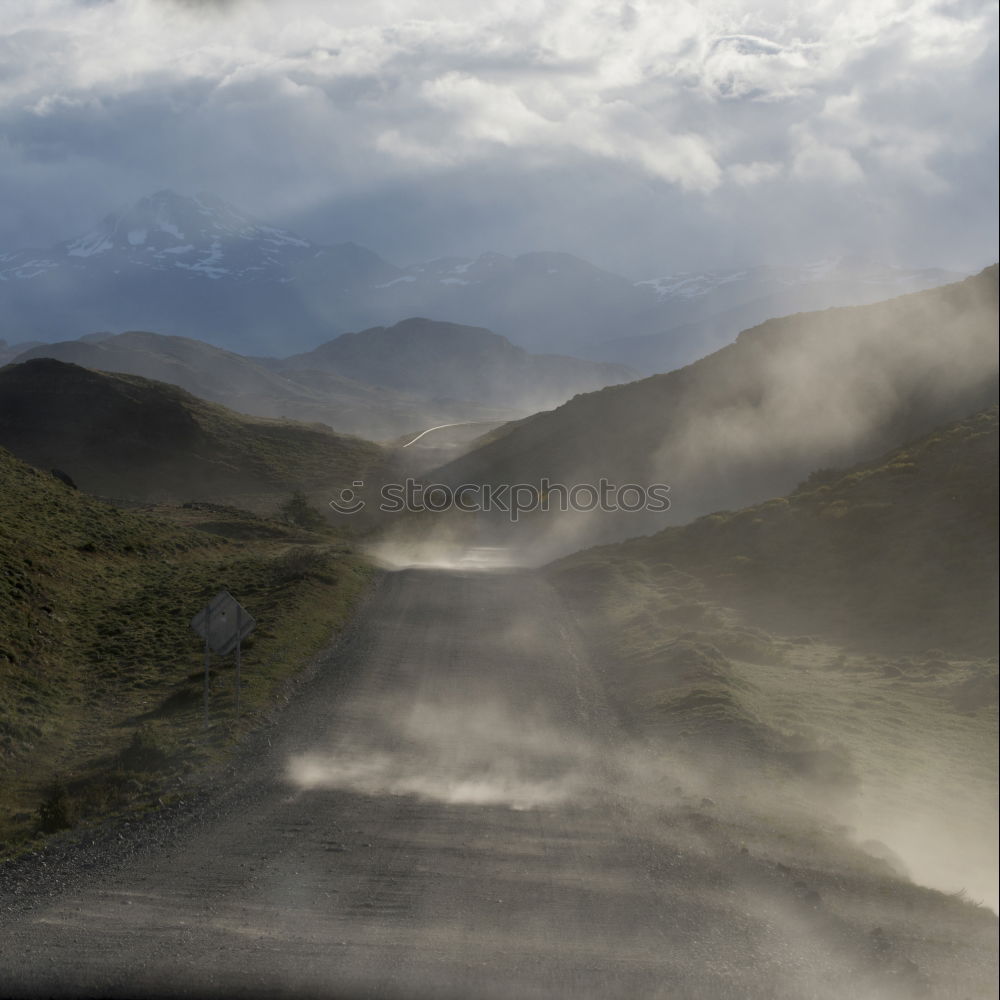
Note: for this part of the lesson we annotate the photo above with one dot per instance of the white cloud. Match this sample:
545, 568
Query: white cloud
822, 162
746, 174
709, 98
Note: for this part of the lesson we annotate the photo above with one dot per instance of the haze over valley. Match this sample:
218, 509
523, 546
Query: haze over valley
195, 266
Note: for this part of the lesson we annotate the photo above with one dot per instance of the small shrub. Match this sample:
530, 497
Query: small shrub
299, 563
144, 753
58, 810
297, 510
820, 477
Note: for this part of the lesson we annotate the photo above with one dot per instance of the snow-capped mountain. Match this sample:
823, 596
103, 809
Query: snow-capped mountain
192, 266
202, 235
708, 309
741, 283
198, 267
199, 238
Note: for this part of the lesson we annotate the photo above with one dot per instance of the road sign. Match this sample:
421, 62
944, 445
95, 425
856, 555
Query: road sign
223, 623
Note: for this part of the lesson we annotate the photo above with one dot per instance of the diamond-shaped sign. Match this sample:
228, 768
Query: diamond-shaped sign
223, 623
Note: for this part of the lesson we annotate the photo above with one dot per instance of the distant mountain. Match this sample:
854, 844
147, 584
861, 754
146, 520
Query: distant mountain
558, 302
714, 307
900, 552
132, 438
10, 351
200, 268
256, 387
541, 301
694, 296
195, 266
448, 360
748, 422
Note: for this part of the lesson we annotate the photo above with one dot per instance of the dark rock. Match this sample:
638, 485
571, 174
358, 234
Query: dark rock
64, 478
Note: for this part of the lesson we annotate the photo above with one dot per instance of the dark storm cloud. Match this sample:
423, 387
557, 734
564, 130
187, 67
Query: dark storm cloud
646, 136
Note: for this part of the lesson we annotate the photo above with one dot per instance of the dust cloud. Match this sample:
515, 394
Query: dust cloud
751, 421
427, 553
937, 824
459, 754
837, 386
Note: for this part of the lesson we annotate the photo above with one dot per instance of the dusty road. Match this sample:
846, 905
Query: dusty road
464, 819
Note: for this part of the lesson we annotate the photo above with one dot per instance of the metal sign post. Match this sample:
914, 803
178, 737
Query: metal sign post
223, 623
208, 657
239, 644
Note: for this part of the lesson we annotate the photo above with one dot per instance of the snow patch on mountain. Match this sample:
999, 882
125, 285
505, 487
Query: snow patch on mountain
211, 265
689, 285
280, 237
396, 281
692, 285
24, 269
89, 244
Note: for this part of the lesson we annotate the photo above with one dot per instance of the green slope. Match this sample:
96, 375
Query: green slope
899, 552
131, 438
836, 646
257, 387
750, 421
95, 646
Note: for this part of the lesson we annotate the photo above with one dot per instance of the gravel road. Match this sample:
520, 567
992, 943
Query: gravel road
448, 809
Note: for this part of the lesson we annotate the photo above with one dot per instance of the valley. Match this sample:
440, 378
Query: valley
744, 747
198, 267
499, 501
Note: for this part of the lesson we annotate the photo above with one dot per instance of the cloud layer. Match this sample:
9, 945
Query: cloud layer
646, 135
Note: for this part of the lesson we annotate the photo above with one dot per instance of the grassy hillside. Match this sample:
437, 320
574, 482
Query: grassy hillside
255, 386
900, 552
100, 675
750, 421
132, 438
840, 642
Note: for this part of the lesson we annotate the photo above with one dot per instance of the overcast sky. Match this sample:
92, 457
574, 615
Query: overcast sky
648, 137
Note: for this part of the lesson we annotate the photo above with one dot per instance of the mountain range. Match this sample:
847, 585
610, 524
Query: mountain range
249, 386
448, 360
380, 383
197, 267
748, 422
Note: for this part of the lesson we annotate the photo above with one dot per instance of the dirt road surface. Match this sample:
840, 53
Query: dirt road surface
451, 809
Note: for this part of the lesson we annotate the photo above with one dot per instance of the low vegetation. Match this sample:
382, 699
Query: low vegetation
265, 388
101, 678
752, 419
839, 642
898, 554
147, 441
